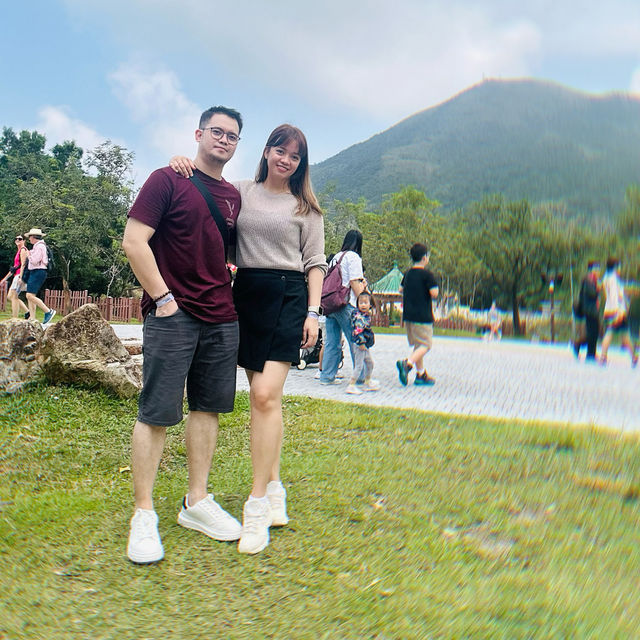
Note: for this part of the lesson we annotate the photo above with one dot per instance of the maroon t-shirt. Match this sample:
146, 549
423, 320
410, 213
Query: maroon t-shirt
187, 244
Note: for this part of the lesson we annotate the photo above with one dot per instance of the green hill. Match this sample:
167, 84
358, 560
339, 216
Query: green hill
523, 138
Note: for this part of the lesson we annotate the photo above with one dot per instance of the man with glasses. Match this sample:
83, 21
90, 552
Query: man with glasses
177, 252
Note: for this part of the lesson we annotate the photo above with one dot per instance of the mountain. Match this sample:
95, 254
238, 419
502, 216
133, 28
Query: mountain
523, 138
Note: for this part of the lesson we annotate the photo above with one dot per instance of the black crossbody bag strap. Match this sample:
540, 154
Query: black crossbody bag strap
215, 213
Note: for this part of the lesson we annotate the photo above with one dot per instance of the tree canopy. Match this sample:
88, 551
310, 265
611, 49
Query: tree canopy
79, 200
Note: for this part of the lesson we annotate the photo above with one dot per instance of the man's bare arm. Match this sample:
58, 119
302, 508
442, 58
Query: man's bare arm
143, 263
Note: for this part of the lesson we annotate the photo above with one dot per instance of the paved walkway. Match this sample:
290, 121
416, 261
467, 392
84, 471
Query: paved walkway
507, 379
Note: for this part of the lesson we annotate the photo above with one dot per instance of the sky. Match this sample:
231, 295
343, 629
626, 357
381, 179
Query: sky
140, 72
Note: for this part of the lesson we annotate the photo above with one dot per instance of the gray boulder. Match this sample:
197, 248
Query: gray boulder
19, 350
82, 348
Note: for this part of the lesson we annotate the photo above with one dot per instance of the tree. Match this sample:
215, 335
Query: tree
83, 211
406, 217
508, 239
628, 232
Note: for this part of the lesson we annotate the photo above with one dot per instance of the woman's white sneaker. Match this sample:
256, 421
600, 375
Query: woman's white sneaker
277, 497
256, 520
144, 540
208, 517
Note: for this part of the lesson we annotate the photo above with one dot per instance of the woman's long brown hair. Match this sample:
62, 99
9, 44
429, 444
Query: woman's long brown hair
299, 182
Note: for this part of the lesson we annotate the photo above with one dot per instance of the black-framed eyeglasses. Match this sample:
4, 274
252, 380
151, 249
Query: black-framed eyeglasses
219, 133
19, 238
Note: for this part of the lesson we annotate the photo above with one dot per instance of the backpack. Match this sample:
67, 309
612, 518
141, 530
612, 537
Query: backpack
50, 260
578, 305
334, 294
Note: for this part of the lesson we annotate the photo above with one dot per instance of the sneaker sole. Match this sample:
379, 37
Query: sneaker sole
188, 523
252, 552
144, 559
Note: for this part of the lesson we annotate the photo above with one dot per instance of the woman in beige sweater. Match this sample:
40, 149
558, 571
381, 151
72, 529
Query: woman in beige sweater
281, 265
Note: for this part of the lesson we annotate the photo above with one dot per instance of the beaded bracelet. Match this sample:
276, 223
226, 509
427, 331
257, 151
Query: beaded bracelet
166, 293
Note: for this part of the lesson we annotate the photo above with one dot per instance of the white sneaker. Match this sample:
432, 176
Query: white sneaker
208, 517
372, 385
334, 381
144, 540
256, 519
277, 496
351, 388
317, 376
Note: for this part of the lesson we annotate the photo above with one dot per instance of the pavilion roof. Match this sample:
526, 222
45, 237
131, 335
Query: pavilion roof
389, 283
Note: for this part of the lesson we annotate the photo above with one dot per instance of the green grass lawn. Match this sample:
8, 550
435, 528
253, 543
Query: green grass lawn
404, 525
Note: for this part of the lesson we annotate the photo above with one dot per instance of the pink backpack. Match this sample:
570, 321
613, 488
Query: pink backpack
334, 294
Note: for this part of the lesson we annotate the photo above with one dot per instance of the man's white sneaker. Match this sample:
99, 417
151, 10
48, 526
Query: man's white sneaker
277, 497
208, 517
372, 385
256, 520
351, 388
144, 540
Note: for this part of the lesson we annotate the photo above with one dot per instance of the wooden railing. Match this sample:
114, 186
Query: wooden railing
112, 309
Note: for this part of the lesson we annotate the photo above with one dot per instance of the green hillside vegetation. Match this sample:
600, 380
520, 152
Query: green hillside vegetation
525, 139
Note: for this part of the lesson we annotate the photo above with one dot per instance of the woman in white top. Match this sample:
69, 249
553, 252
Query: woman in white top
615, 312
340, 322
281, 266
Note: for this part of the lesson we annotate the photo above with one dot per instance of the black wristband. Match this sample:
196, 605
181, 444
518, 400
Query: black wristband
166, 293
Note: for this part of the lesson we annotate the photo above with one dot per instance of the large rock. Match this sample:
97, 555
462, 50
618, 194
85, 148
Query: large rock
19, 348
82, 348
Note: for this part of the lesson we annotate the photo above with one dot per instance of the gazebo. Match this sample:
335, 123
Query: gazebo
387, 293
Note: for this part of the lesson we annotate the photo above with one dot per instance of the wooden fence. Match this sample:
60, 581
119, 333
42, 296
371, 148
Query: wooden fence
112, 309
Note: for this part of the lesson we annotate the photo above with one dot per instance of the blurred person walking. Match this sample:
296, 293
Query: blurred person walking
588, 310
36, 272
615, 312
17, 284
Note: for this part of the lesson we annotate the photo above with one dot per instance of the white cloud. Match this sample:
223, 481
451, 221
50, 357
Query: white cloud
373, 57
167, 117
156, 101
400, 66
58, 126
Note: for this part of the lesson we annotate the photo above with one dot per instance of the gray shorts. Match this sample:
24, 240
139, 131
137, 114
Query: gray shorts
178, 348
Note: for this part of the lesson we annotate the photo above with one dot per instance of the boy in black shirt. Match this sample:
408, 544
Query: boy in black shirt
418, 288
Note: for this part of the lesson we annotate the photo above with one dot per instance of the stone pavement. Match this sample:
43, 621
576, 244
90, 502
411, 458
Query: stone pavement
508, 379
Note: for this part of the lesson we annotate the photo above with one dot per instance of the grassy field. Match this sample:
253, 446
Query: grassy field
404, 525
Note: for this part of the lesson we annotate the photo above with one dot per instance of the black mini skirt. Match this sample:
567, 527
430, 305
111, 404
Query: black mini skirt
272, 307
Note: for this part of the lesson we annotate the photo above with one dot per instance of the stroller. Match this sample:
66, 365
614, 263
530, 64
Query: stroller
312, 355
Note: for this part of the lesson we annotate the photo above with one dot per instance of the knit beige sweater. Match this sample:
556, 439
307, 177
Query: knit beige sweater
272, 236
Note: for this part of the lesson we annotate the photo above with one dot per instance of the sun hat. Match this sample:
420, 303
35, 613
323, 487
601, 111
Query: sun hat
35, 232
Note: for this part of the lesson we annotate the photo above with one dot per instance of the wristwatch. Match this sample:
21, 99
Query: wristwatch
315, 309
